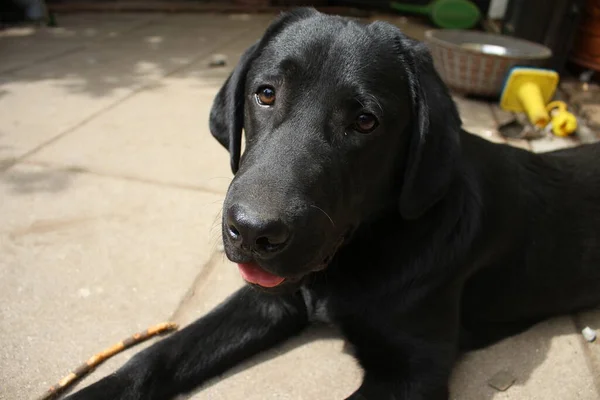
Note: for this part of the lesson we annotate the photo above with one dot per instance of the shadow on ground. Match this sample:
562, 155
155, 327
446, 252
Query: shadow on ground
98, 54
533, 355
26, 181
547, 352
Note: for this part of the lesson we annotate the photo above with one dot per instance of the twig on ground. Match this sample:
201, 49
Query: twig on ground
104, 355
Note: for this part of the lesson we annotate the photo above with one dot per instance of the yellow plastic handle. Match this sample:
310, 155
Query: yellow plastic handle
530, 96
556, 105
562, 121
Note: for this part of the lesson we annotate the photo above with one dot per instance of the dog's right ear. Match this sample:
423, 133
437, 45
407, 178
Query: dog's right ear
227, 113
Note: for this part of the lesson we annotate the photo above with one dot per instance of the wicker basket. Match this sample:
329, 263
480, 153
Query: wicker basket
477, 63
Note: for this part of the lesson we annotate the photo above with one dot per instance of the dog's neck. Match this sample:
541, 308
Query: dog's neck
388, 241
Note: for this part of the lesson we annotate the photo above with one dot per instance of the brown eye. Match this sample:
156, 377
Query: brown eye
265, 96
365, 123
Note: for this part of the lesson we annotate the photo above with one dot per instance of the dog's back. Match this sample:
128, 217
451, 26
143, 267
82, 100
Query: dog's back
540, 248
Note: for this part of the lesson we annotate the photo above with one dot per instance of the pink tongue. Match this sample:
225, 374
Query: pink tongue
254, 274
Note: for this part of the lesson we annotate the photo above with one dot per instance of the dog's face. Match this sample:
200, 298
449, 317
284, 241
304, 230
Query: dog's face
335, 125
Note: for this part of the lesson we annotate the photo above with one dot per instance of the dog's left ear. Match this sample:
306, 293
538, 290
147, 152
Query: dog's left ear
227, 112
434, 146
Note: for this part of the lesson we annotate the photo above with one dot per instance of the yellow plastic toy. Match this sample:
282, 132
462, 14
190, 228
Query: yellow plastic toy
562, 122
528, 90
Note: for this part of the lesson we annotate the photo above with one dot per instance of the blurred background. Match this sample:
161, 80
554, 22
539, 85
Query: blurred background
568, 29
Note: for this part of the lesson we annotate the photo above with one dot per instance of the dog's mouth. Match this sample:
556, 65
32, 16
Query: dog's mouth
253, 273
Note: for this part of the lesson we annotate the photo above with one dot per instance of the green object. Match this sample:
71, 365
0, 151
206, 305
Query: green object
52, 20
447, 14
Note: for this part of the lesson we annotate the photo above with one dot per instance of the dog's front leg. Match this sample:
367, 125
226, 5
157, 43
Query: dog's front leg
406, 356
248, 322
415, 370
377, 386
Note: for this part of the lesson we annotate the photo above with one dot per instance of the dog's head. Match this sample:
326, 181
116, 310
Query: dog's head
342, 121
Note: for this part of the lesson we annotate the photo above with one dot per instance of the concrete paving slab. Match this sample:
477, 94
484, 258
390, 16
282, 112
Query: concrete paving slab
61, 93
591, 318
520, 143
548, 362
550, 143
160, 135
23, 45
501, 116
591, 114
172, 119
29, 45
201, 74
150, 51
87, 261
477, 118
50, 111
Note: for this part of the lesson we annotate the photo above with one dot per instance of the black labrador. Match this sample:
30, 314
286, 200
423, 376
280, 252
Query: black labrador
360, 201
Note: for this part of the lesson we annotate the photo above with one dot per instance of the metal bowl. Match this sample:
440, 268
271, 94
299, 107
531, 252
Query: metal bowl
477, 63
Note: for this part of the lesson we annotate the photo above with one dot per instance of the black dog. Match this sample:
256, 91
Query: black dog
360, 201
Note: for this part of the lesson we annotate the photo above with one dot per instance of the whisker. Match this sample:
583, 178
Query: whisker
359, 102
217, 219
323, 211
376, 101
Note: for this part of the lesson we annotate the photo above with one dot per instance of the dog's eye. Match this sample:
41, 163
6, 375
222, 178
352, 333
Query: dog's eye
265, 96
365, 123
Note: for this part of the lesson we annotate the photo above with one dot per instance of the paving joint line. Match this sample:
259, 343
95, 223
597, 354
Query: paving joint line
84, 170
14, 70
197, 284
89, 118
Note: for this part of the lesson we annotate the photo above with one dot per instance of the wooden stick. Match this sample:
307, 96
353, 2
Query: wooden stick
104, 355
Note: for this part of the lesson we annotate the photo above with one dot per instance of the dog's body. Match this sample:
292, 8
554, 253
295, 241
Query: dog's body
359, 201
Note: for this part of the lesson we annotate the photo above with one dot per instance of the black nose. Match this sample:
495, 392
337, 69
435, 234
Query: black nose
258, 233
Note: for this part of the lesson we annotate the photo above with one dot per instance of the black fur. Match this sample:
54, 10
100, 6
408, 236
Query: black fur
447, 240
